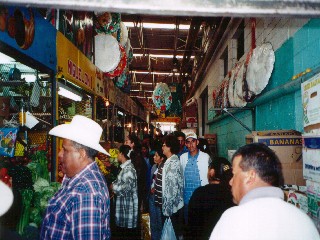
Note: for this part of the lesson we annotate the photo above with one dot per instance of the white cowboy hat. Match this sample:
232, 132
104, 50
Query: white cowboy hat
6, 198
82, 130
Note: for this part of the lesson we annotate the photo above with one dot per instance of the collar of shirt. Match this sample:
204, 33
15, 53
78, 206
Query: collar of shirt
68, 182
262, 192
195, 157
125, 163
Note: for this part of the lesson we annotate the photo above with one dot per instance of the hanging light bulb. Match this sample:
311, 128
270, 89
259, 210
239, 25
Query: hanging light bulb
145, 129
107, 103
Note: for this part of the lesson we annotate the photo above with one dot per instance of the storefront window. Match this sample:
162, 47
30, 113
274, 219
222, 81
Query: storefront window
73, 101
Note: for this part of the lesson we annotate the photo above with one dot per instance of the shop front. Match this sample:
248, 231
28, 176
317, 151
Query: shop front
75, 83
27, 69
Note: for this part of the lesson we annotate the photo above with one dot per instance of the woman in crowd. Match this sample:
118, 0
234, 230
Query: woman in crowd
207, 203
155, 196
141, 168
125, 190
149, 163
172, 185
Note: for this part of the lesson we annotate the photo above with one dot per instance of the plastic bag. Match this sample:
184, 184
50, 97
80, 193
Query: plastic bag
168, 231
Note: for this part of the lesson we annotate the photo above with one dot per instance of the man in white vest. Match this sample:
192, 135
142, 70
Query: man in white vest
194, 167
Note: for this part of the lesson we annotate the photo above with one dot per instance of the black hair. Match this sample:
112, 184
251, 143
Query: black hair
125, 149
134, 138
158, 149
91, 153
180, 134
263, 160
222, 169
172, 142
203, 146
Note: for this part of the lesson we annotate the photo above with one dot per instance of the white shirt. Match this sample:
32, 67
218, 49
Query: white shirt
262, 214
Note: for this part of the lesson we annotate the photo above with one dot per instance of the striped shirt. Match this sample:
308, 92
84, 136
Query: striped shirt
158, 186
80, 209
125, 189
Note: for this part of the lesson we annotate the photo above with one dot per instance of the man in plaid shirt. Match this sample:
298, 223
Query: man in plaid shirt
81, 208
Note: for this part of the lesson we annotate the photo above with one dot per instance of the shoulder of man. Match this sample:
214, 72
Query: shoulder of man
184, 155
203, 154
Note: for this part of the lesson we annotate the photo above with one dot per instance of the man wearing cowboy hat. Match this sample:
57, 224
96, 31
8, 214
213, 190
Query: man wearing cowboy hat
81, 208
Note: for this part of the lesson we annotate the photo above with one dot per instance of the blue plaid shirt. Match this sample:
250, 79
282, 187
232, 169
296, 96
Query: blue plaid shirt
80, 209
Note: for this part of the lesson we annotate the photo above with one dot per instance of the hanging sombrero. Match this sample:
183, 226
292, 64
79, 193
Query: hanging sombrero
231, 87
106, 22
107, 52
162, 97
122, 80
129, 51
238, 93
121, 66
260, 68
123, 34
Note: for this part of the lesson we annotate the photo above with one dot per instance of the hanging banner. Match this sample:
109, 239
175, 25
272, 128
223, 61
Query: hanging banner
24, 30
74, 65
77, 26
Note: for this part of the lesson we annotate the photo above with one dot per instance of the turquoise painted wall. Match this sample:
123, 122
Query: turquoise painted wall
298, 53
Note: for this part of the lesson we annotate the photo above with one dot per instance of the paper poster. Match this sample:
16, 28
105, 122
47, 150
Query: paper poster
8, 138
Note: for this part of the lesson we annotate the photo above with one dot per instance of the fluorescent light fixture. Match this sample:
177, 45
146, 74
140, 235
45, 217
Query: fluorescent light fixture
158, 25
160, 55
29, 77
142, 83
156, 73
140, 97
5, 59
69, 93
136, 90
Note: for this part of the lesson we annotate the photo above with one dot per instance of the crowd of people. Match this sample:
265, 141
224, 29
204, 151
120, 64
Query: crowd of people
175, 178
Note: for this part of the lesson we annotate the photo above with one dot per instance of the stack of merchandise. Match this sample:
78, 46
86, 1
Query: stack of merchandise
310, 92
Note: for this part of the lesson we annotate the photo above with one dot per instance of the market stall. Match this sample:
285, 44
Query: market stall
26, 81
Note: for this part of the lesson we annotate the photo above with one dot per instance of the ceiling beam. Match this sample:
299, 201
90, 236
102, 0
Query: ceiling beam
250, 8
191, 40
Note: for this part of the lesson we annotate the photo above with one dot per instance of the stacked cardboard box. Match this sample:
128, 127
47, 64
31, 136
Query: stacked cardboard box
287, 144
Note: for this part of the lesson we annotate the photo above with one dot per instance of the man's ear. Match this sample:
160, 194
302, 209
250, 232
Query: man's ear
83, 153
251, 177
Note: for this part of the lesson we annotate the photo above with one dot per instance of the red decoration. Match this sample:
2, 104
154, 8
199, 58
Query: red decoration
4, 176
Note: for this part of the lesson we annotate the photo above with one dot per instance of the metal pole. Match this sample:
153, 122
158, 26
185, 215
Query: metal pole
242, 124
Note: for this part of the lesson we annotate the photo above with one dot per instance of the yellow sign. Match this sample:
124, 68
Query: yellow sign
168, 119
74, 65
99, 83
